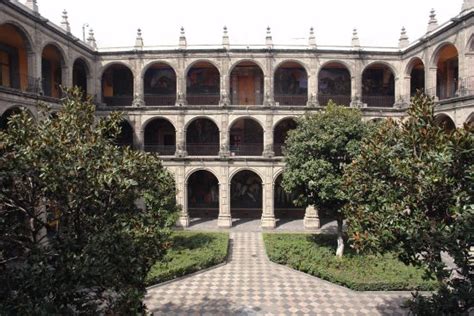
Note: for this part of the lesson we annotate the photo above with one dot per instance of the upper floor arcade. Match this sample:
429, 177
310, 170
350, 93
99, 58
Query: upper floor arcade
38, 57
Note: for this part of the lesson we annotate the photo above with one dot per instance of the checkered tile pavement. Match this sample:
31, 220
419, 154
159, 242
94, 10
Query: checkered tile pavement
252, 285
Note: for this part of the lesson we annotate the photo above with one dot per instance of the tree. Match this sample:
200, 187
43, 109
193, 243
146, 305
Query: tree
315, 155
411, 191
81, 219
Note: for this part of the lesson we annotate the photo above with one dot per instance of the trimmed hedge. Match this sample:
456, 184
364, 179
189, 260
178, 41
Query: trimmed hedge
189, 252
315, 255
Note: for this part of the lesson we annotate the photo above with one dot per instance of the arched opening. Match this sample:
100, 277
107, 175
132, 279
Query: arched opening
51, 71
246, 195
445, 122
117, 86
334, 83
378, 86
246, 138
13, 57
203, 84
291, 84
470, 120
5, 117
246, 84
160, 85
160, 137
417, 76
125, 138
80, 73
280, 133
203, 195
284, 202
447, 72
202, 138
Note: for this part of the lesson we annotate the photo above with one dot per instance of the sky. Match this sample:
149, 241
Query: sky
115, 22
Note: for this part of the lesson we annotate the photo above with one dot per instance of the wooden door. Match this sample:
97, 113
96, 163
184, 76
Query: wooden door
246, 90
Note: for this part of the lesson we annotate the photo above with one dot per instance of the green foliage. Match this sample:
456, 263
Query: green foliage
73, 236
316, 153
314, 254
411, 191
190, 252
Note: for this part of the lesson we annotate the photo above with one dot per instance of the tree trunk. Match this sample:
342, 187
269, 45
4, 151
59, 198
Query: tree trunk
340, 240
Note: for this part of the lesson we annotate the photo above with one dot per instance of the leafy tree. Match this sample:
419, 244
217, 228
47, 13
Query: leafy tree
316, 153
411, 191
81, 219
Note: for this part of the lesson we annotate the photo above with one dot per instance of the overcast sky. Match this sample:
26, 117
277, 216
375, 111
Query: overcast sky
379, 22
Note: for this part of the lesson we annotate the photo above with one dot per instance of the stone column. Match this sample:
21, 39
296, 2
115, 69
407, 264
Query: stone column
268, 91
139, 134
66, 76
405, 90
268, 215
224, 136
311, 218
356, 85
268, 137
180, 136
34, 72
430, 81
181, 82
224, 220
138, 92
313, 83
181, 198
224, 83
98, 89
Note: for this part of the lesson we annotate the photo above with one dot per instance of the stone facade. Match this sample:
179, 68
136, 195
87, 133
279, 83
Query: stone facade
312, 59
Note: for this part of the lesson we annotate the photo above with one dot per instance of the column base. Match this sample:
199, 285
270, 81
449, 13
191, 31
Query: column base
224, 222
311, 222
183, 221
268, 222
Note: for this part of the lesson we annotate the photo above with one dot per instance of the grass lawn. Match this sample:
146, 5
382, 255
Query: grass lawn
315, 255
190, 252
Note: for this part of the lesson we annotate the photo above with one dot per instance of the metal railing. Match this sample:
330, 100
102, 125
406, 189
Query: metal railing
204, 149
235, 100
163, 150
291, 99
203, 99
123, 100
246, 150
378, 100
339, 99
160, 99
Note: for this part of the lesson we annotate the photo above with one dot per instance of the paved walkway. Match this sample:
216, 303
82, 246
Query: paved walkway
251, 285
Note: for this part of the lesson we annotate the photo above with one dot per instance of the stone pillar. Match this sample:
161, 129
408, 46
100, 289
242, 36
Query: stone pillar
430, 81
181, 198
268, 137
356, 85
181, 82
268, 92
268, 215
311, 218
139, 134
138, 92
180, 136
405, 89
224, 220
34, 72
98, 89
224, 136
66, 76
224, 83
398, 92
313, 83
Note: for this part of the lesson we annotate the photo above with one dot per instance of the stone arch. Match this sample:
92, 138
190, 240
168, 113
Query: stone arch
445, 121
62, 52
203, 80
159, 136
149, 120
154, 62
283, 201
12, 110
344, 63
246, 136
245, 117
196, 169
17, 47
250, 60
81, 74
53, 65
415, 69
436, 52
446, 59
280, 133
192, 119
334, 83
290, 83
470, 44
202, 137
470, 120
247, 82
202, 60
202, 193
117, 84
378, 84
246, 193
292, 60
385, 63
159, 83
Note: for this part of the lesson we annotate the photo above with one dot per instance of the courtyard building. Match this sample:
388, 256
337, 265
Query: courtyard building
218, 115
